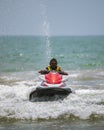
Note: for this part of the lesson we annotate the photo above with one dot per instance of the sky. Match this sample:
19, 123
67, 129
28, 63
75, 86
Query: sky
52, 17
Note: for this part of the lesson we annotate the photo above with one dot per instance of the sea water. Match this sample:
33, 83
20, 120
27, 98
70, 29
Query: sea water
21, 57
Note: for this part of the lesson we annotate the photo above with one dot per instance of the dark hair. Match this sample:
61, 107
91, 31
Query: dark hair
53, 59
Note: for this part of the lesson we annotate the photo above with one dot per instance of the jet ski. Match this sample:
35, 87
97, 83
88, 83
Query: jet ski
51, 84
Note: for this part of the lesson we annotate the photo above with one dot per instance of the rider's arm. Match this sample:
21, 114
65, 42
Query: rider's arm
62, 72
43, 72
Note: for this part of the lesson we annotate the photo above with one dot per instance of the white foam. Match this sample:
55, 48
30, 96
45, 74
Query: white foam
14, 103
14, 99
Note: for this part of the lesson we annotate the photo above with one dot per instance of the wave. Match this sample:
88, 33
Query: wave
83, 105
86, 103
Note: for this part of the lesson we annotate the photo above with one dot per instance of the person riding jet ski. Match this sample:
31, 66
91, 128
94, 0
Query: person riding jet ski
53, 67
53, 83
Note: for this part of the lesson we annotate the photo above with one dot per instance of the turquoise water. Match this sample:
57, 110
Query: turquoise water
21, 57
24, 53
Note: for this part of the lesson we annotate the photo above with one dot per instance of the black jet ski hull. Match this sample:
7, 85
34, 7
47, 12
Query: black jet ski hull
42, 92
